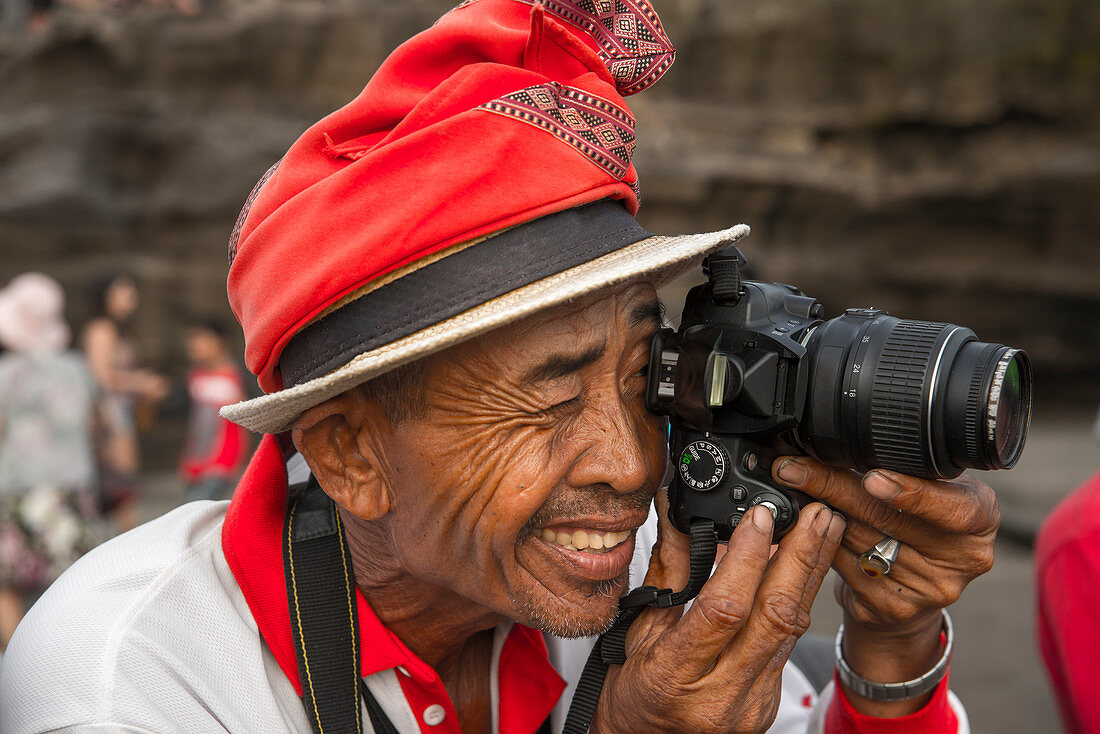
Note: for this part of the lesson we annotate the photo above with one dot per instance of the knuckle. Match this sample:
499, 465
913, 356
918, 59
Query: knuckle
838, 482
881, 515
993, 516
967, 516
783, 614
723, 614
947, 591
982, 559
977, 512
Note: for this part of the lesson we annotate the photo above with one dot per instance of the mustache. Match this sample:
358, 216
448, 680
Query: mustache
599, 499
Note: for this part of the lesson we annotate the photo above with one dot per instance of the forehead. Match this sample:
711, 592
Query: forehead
609, 315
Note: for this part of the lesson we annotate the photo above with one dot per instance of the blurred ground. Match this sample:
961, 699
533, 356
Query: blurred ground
996, 669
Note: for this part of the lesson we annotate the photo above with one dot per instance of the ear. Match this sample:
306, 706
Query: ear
339, 440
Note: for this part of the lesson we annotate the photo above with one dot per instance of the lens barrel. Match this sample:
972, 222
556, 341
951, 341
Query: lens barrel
923, 398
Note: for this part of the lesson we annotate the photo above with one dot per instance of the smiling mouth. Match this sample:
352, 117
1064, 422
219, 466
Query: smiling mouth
589, 541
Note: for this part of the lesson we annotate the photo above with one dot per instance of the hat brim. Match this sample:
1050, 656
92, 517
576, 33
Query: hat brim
658, 258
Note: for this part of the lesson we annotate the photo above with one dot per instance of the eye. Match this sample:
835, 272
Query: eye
564, 405
641, 374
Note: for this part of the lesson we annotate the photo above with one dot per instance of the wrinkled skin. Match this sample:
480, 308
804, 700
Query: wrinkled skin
542, 424
501, 456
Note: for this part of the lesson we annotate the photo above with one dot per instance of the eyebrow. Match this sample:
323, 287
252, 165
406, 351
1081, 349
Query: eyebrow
651, 313
559, 365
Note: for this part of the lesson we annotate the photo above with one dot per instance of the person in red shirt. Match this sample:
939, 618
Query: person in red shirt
1067, 568
216, 448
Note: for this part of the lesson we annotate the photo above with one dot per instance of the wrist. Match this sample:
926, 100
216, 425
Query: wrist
891, 672
898, 644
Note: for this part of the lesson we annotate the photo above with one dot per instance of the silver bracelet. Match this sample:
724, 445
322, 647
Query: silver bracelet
896, 691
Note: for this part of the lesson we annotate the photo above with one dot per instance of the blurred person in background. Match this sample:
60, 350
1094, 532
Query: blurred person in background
48, 514
112, 358
216, 448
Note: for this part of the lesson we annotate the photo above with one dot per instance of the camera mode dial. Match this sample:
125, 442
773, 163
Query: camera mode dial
702, 465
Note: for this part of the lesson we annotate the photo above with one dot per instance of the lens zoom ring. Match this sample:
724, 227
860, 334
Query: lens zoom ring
974, 401
896, 396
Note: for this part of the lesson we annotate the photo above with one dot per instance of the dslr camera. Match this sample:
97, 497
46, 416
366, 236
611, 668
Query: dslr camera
754, 372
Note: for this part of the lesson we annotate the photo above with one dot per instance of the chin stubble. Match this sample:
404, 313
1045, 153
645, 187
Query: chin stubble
568, 626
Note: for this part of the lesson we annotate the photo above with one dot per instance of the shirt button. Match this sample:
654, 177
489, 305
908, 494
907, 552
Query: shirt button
434, 715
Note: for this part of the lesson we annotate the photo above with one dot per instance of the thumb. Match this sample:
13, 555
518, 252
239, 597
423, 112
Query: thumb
670, 562
669, 568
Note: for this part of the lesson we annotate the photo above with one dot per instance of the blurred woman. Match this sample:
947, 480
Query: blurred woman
48, 514
112, 358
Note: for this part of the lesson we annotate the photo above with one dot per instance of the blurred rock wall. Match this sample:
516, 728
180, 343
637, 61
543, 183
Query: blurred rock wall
940, 159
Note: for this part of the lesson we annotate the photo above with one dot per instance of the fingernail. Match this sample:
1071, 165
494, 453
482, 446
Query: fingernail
836, 527
792, 472
879, 485
821, 522
762, 519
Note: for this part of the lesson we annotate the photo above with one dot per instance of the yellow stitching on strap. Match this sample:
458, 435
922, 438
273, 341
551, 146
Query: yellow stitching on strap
351, 616
298, 616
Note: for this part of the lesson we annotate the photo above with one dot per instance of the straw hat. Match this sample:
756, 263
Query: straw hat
482, 175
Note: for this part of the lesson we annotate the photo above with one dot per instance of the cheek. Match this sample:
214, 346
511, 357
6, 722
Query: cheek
480, 489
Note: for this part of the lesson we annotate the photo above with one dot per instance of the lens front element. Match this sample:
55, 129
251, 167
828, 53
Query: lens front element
1007, 412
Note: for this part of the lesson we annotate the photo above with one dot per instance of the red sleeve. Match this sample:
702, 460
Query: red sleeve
935, 717
1069, 633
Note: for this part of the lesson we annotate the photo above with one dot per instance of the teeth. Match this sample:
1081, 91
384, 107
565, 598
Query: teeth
590, 541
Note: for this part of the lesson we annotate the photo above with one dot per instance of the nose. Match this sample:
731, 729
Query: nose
618, 447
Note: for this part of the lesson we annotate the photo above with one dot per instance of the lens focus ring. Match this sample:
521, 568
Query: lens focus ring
898, 396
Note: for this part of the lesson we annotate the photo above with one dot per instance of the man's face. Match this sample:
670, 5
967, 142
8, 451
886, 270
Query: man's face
535, 443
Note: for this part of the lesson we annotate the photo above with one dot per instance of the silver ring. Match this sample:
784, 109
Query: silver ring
879, 560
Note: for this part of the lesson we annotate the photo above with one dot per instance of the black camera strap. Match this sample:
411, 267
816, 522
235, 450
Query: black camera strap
610, 648
323, 618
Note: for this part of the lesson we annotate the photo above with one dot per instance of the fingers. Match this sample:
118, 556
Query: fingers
781, 612
724, 604
966, 554
963, 505
752, 610
669, 568
918, 580
897, 504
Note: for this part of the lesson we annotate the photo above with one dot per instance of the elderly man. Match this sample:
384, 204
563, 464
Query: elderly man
450, 305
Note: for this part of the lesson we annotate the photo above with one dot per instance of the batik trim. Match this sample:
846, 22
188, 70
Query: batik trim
632, 42
236, 234
599, 129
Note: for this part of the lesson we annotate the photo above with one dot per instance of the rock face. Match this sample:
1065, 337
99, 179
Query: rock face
940, 159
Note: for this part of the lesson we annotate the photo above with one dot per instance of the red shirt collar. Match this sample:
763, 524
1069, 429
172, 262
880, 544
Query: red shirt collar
252, 543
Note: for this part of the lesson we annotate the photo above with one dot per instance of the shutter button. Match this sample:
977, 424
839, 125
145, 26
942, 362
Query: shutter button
434, 715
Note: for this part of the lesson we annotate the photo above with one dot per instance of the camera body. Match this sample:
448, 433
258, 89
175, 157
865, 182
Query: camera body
754, 372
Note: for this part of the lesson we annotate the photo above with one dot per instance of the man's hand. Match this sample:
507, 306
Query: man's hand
718, 666
946, 530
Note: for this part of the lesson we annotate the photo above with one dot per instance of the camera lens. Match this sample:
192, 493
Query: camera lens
923, 398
